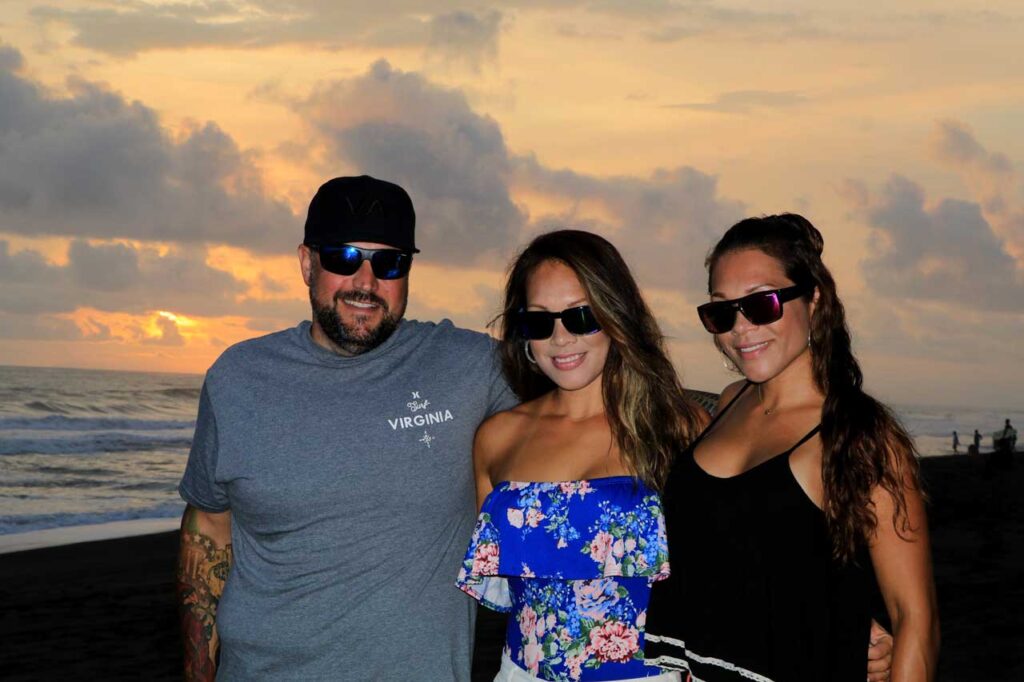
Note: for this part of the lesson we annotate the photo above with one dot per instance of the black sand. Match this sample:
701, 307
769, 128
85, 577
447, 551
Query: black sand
106, 610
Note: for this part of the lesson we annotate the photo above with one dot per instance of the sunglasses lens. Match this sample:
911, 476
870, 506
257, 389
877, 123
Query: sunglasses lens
341, 260
762, 308
580, 321
718, 317
536, 325
390, 264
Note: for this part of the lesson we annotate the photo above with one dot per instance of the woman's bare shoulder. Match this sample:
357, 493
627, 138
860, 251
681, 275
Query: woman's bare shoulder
729, 392
501, 430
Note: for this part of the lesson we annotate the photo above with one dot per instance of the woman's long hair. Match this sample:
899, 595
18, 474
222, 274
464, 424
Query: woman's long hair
863, 444
650, 417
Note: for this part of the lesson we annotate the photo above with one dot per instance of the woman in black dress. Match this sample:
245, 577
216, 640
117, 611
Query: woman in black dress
800, 487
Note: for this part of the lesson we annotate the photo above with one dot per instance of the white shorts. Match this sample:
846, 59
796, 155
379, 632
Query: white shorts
510, 672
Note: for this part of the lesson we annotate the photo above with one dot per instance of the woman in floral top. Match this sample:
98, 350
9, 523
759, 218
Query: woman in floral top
571, 533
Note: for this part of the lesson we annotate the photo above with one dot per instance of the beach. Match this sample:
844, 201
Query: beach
106, 609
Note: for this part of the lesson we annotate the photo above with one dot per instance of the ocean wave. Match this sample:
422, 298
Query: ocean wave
45, 406
55, 422
186, 393
10, 523
76, 471
94, 443
63, 483
157, 486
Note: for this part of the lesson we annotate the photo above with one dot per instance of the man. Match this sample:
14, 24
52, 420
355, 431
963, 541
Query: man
329, 486
1009, 436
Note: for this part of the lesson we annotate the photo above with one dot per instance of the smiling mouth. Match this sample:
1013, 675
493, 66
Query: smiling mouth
566, 362
752, 348
362, 305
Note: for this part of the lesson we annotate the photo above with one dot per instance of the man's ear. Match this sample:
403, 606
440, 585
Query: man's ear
306, 263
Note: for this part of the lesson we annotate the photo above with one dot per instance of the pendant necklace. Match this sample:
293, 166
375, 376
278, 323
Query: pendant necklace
767, 410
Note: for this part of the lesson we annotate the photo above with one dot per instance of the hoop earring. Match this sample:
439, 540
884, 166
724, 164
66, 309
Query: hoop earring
529, 355
726, 362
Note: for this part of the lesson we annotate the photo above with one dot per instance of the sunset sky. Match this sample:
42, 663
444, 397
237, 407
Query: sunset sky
157, 158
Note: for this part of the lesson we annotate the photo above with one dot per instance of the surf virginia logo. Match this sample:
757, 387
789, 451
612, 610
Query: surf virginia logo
421, 415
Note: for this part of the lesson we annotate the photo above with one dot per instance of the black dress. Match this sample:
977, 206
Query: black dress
754, 593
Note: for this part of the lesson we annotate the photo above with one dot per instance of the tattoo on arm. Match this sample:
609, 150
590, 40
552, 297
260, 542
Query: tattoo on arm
202, 571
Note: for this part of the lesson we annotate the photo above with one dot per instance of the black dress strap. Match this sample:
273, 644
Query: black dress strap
810, 434
718, 415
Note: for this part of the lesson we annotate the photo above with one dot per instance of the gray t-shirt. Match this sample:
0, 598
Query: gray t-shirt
351, 490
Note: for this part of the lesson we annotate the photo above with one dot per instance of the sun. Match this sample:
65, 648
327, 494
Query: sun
179, 320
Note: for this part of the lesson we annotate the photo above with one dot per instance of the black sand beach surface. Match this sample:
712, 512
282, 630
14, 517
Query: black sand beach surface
106, 610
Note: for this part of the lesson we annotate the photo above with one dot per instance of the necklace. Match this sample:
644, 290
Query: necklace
767, 410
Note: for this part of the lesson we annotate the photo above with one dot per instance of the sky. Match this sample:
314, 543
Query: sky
157, 159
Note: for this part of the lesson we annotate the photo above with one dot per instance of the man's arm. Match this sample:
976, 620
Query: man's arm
204, 560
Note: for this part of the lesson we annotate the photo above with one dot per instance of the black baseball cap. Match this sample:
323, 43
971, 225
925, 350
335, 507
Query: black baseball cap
361, 209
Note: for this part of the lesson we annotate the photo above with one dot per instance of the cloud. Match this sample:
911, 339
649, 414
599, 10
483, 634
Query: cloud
671, 34
10, 58
453, 162
667, 222
117, 277
937, 332
945, 251
463, 179
34, 327
991, 177
137, 26
745, 101
465, 33
168, 336
100, 170
95, 165
465, 37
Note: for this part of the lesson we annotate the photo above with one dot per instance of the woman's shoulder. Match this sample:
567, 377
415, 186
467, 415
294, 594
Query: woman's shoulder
729, 393
509, 420
501, 430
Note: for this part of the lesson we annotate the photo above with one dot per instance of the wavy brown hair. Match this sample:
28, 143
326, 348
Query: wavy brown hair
651, 419
863, 444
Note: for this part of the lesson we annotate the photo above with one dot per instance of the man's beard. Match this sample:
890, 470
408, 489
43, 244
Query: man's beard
349, 338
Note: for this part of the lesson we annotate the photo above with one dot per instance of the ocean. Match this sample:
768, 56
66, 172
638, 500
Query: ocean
80, 447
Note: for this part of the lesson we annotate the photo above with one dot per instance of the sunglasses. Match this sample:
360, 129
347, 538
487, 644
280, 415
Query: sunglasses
762, 307
536, 325
347, 259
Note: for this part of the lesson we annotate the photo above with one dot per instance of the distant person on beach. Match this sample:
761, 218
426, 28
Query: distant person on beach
801, 479
956, 443
571, 536
977, 441
330, 485
1004, 443
1009, 437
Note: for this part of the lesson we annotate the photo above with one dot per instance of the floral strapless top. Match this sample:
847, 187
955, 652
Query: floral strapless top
574, 563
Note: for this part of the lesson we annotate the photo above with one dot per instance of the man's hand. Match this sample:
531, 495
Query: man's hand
879, 654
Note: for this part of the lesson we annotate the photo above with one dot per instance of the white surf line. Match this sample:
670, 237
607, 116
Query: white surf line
69, 535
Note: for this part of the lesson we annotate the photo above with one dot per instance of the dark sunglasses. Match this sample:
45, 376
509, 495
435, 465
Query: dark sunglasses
762, 307
536, 325
347, 259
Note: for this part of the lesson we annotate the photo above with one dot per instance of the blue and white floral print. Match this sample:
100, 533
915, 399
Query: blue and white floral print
573, 562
